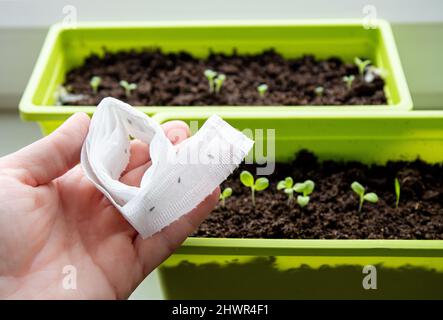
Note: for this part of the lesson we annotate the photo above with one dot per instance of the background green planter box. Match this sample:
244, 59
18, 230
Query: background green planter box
67, 48
208, 268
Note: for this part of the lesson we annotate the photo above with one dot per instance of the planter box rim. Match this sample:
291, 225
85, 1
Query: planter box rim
41, 112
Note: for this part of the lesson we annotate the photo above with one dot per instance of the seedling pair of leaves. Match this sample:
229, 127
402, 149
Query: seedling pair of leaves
95, 83
255, 185
225, 194
305, 188
129, 87
215, 80
261, 89
361, 192
361, 65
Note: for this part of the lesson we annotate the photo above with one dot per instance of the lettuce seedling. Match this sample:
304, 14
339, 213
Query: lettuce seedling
319, 91
360, 191
349, 80
225, 195
287, 186
219, 82
305, 188
210, 75
259, 185
397, 192
361, 64
262, 89
95, 83
128, 87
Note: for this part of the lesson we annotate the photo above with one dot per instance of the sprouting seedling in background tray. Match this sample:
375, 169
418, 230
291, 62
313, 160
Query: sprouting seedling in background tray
319, 91
259, 185
210, 75
218, 82
261, 89
397, 192
225, 194
360, 191
287, 186
361, 64
129, 87
349, 80
305, 188
95, 83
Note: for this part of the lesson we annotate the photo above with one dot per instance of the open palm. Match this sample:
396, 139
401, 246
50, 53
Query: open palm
54, 222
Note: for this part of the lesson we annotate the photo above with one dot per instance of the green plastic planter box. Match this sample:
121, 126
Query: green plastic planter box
67, 48
208, 268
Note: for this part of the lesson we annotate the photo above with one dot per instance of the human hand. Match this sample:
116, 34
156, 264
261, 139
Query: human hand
51, 216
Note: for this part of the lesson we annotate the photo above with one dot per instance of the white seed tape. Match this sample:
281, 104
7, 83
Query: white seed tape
180, 176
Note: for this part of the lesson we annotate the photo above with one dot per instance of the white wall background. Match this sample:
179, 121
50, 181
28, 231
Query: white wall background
23, 25
44, 12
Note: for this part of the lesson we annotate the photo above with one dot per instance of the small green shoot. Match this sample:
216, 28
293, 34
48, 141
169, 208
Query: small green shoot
361, 64
95, 83
210, 75
219, 82
287, 186
225, 195
259, 185
349, 80
360, 191
128, 87
261, 89
397, 192
305, 188
319, 91
215, 81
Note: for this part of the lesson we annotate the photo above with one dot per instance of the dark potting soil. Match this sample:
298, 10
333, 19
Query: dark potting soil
332, 212
176, 79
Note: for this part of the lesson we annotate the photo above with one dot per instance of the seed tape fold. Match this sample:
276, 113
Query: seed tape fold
180, 176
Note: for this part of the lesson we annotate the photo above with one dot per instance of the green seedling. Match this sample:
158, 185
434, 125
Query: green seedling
225, 195
360, 191
218, 82
349, 80
129, 87
210, 75
305, 188
397, 192
261, 89
287, 186
319, 91
259, 185
95, 83
361, 64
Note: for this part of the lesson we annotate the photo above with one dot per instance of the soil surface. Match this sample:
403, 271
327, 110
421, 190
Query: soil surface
332, 212
177, 79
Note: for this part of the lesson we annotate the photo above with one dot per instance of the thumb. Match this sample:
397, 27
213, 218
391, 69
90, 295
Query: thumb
51, 156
